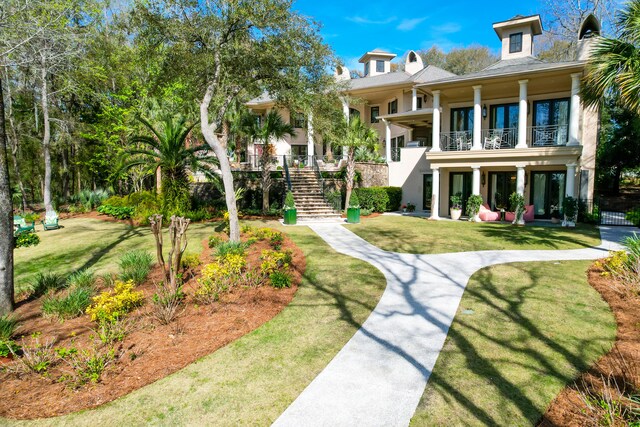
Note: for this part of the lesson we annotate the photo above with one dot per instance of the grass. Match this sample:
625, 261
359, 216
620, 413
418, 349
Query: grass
8, 325
71, 304
135, 265
533, 328
419, 235
252, 380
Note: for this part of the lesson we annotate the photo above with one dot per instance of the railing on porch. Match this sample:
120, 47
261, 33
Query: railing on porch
456, 141
548, 136
493, 139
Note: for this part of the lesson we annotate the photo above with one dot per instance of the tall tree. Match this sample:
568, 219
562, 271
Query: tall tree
235, 47
356, 135
6, 224
613, 68
459, 60
273, 128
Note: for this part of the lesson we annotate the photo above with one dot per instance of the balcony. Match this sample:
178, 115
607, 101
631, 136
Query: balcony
496, 139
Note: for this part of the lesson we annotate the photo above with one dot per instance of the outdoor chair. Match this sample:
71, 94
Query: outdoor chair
493, 141
22, 225
50, 222
462, 142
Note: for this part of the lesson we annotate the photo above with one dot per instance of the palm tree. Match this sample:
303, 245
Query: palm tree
166, 150
272, 128
356, 135
614, 63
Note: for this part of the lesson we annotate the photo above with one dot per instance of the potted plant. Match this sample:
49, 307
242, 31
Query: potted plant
404, 208
570, 210
353, 211
456, 206
517, 206
411, 207
473, 207
555, 215
290, 211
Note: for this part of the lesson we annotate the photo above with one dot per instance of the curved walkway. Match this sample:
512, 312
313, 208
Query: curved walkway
380, 374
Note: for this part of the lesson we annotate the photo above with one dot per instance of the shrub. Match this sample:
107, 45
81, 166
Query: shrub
289, 202
114, 304
190, 261
88, 365
225, 248
354, 201
273, 261
374, 199
88, 200
119, 212
110, 331
26, 239
570, 208
394, 194
166, 303
8, 325
280, 279
45, 282
82, 279
456, 201
8, 348
473, 205
365, 212
135, 266
276, 240
31, 217
68, 306
37, 356
219, 276
633, 216
214, 240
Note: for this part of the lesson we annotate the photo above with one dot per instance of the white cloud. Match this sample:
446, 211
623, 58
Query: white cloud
447, 28
409, 24
367, 21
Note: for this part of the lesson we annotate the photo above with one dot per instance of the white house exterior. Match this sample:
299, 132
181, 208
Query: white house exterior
518, 125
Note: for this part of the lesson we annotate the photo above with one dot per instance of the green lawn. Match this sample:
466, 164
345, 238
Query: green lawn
534, 327
254, 379
421, 236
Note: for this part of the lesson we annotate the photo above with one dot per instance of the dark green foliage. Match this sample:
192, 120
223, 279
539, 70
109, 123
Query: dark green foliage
233, 248
82, 279
31, 218
473, 204
280, 279
570, 207
119, 212
7, 348
633, 216
45, 282
8, 325
135, 265
374, 199
26, 239
68, 306
276, 240
175, 196
88, 199
214, 240
394, 194
289, 203
354, 202
202, 214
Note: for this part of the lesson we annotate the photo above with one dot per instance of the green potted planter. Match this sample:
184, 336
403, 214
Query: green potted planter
353, 211
290, 211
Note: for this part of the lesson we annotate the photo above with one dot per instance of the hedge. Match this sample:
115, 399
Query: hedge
395, 198
379, 199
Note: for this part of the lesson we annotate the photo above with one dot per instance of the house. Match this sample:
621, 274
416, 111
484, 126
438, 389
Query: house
517, 126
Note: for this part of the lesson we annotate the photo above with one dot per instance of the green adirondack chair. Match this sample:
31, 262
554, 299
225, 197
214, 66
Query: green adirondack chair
50, 222
22, 226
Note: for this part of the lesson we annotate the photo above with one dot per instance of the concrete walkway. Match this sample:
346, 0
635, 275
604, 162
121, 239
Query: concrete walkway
378, 377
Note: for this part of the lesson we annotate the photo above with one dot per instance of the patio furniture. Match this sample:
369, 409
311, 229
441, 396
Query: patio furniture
486, 214
50, 222
21, 225
461, 141
529, 214
494, 140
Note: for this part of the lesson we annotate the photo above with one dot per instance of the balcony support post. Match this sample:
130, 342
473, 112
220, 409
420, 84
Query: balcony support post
477, 118
571, 180
310, 141
414, 99
435, 129
574, 112
475, 188
520, 180
387, 139
522, 115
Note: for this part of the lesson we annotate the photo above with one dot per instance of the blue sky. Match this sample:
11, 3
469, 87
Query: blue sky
352, 28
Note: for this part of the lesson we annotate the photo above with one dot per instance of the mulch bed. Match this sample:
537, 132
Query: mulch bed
150, 351
568, 408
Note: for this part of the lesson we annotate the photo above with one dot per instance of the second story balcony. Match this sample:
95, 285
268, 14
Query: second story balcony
505, 138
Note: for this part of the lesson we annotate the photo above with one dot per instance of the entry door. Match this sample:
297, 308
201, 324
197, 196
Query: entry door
547, 192
427, 191
501, 186
460, 182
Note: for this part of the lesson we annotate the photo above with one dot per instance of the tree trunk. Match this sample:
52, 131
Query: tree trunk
14, 142
208, 131
65, 174
266, 176
6, 221
159, 181
46, 139
351, 173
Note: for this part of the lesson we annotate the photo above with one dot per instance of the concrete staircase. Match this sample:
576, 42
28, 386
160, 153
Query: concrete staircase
307, 193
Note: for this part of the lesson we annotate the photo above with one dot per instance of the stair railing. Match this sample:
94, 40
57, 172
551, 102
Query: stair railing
318, 172
287, 176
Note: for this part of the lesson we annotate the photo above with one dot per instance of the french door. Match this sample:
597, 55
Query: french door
501, 186
460, 184
427, 191
547, 192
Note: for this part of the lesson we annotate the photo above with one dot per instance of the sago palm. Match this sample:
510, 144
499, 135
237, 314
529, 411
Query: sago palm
614, 63
167, 149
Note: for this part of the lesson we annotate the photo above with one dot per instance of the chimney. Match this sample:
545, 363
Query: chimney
413, 63
589, 31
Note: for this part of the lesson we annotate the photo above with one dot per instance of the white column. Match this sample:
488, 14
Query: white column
520, 180
475, 188
409, 135
435, 195
435, 134
414, 99
477, 118
345, 109
574, 113
522, 115
387, 140
310, 142
571, 180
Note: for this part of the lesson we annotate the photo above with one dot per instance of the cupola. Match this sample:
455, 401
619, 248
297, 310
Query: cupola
376, 62
517, 35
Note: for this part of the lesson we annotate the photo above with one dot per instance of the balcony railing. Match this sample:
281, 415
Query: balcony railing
548, 136
494, 139
456, 141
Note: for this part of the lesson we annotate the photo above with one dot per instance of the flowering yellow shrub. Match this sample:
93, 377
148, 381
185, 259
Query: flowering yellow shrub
273, 261
218, 276
113, 304
615, 263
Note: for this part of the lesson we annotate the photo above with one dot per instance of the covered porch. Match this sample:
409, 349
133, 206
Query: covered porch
419, 124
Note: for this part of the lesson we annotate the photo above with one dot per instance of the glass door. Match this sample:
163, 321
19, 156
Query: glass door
501, 186
547, 192
427, 191
460, 184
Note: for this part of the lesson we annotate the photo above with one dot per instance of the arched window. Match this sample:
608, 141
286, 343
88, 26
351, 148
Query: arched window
412, 57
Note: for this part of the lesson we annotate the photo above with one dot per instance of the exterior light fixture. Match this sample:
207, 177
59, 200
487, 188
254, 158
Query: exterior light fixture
484, 111
484, 178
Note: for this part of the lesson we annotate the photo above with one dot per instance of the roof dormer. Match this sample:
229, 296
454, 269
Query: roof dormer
413, 63
517, 35
376, 62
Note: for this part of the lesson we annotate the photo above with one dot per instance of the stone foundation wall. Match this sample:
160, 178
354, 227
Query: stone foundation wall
373, 174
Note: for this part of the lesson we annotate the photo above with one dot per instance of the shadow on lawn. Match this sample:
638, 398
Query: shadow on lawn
549, 237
